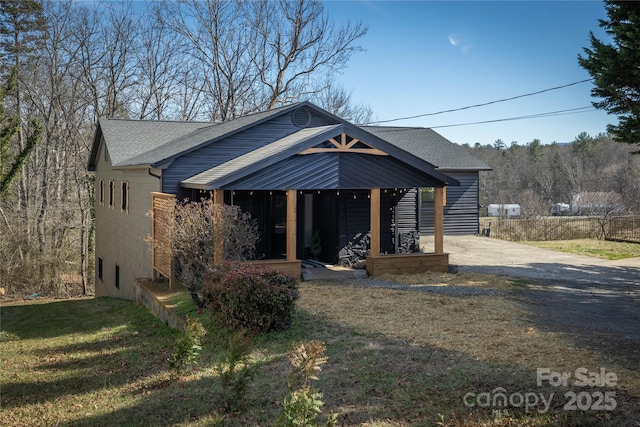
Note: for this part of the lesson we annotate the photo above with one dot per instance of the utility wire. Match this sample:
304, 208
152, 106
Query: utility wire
531, 116
479, 105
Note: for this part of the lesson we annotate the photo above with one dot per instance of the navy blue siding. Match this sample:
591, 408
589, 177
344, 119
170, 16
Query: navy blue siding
234, 146
462, 210
324, 171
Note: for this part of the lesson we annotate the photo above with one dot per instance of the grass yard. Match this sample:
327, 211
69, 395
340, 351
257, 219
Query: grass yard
592, 247
396, 358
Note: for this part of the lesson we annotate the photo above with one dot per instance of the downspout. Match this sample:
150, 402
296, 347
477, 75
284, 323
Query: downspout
155, 176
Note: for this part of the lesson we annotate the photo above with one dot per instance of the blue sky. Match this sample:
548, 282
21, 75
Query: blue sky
427, 56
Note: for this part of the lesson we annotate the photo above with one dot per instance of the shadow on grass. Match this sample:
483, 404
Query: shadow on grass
368, 377
597, 306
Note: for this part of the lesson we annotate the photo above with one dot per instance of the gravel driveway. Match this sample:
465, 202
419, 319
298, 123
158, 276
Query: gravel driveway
568, 293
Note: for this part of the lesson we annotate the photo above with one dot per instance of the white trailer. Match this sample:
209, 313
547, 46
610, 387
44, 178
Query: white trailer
502, 210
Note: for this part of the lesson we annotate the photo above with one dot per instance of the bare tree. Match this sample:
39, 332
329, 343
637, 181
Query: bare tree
262, 54
158, 64
296, 41
216, 35
107, 38
21, 34
336, 100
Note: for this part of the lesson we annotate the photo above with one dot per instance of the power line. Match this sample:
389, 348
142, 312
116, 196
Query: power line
480, 105
531, 116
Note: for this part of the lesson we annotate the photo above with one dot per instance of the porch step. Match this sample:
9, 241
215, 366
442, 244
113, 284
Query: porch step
317, 270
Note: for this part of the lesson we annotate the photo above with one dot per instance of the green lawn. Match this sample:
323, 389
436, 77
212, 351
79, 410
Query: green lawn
592, 247
395, 359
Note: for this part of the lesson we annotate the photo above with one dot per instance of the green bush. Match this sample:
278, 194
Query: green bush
235, 372
188, 346
252, 298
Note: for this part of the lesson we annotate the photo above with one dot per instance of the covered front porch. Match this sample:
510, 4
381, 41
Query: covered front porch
326, 225
321, 224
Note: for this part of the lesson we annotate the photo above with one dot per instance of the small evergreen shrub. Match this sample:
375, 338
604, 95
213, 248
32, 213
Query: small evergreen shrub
188, 346
235, 371
251, 298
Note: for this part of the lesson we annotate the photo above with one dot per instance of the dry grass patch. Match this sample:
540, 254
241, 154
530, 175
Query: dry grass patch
591, 247
464, 279
490, 340
490, 328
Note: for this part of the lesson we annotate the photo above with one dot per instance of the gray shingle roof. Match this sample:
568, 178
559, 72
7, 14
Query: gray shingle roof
157, 143
261, 158
429, 146
203, 136
144, 142
131, 139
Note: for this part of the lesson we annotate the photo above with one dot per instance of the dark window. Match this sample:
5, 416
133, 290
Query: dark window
124, 202
101, 192
428, 194
100, 268
117, 276
112, 193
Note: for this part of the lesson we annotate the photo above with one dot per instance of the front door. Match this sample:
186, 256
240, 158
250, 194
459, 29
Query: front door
325, 223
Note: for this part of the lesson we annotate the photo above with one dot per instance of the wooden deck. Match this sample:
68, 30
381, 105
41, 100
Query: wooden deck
376, 265
291, 268
407, 263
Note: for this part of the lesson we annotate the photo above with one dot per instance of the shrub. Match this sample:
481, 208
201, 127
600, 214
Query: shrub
251, 298
303, 405
235, 371
188, 346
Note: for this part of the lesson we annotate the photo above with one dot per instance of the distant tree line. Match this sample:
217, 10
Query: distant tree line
537, 176
65, 64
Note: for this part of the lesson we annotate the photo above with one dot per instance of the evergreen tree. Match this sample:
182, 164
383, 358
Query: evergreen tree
9, 126
22, 26
615, 68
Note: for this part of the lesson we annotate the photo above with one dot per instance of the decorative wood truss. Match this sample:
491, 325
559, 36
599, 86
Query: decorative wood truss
347, 144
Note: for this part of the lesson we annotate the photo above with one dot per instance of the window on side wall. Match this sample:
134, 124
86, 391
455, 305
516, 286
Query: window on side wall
100, 268
428, 194
112, 194
124, 197
117, 276
101, 192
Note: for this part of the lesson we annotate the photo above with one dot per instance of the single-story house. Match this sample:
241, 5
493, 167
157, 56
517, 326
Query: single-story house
300, 171
597, 203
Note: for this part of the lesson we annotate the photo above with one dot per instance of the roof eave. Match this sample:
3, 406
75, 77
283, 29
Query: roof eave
93, 156
467, 169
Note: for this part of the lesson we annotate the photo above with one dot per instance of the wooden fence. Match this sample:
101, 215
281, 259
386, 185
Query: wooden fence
162, 206
624, 228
